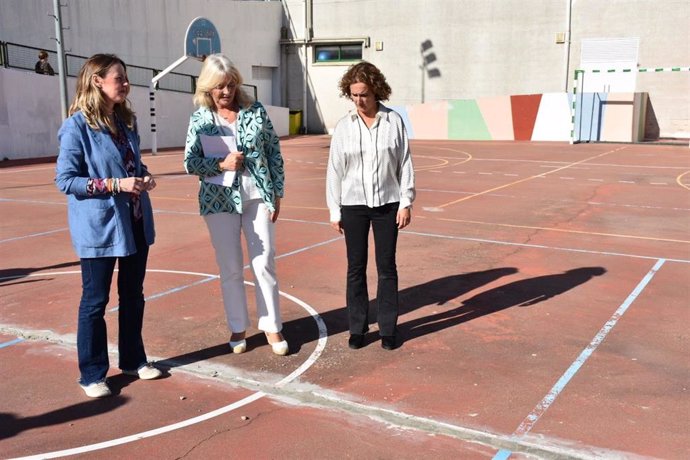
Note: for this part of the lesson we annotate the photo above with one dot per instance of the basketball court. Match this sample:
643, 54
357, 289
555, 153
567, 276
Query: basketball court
544, 314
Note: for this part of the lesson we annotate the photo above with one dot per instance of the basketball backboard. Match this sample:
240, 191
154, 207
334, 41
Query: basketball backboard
201, 39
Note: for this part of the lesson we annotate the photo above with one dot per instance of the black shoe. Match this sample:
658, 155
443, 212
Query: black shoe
388, 342
356, 341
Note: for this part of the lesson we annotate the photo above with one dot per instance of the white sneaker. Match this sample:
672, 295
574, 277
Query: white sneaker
97, 390
239, 346
148, 372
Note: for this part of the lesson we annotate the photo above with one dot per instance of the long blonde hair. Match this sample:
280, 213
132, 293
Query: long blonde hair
218, 69
90, 100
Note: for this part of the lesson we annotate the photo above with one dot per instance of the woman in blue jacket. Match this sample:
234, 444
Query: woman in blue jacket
110, 217
232, 147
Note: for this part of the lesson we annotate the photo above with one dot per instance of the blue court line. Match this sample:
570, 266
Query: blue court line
502, 454
11, 342
206, 280
173, 290
551, 396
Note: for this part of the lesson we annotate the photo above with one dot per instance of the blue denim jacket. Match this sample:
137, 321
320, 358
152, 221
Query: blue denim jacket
100, 225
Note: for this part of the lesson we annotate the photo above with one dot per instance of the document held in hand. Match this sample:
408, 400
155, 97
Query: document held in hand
219, 147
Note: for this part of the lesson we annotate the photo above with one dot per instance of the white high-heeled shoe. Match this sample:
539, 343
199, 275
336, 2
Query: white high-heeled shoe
279, 348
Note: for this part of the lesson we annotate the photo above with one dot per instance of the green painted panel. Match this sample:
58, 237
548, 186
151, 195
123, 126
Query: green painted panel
465, 121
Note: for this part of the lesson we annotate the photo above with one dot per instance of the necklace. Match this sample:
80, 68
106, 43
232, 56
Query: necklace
229, 117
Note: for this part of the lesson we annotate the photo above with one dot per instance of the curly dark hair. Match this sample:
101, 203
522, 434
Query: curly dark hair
368, 73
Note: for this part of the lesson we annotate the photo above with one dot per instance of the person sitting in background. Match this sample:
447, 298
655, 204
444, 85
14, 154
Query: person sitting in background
42, 65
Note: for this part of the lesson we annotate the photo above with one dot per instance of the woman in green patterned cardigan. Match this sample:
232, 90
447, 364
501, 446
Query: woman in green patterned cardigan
232, 147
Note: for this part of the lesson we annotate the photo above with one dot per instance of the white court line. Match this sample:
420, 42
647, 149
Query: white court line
33, 235
541, 246
539, 410
318, 350
14, 200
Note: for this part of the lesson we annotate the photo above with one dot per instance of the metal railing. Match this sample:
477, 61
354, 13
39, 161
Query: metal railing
14, 55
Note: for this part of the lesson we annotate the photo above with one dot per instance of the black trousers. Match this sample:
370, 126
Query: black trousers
356, 221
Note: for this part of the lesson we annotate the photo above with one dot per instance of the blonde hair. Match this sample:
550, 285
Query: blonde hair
90, 100
217, 70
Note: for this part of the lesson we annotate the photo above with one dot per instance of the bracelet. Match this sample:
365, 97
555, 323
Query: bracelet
116, 186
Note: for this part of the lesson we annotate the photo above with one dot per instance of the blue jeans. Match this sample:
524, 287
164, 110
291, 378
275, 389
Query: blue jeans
92, 339
356, 221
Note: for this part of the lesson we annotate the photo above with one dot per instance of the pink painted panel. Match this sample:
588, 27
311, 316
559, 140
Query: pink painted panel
429, 121
497, 116
618, 118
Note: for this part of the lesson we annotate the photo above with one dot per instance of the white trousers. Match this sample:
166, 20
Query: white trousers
259, 234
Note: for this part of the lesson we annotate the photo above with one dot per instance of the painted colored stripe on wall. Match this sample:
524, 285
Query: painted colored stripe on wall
524, 109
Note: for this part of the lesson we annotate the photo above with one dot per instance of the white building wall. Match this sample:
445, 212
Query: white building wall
484, 48
491, 48
146, 33
30, 115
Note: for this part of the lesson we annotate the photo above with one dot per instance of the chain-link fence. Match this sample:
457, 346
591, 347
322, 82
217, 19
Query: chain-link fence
13, 55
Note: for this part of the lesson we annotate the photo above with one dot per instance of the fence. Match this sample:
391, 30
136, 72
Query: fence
13, 55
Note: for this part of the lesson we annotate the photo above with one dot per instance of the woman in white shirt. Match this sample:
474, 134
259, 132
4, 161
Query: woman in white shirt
370, 184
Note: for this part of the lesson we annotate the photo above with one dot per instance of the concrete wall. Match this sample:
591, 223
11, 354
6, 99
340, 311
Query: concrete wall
30, 115
602, 117
488, 49
150, 33
146, 33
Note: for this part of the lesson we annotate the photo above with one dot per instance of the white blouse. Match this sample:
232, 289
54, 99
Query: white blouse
248, 189
369, 166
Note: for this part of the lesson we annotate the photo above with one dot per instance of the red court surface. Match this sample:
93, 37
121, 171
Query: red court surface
544, 293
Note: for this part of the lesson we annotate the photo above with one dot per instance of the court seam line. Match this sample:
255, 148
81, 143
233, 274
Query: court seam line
529, 178
533, 417
491, 440
552, 229
320, 346
34, 235
325, 399
541, 246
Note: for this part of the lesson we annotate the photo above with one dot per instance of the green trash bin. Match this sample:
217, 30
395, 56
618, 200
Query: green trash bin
295, 121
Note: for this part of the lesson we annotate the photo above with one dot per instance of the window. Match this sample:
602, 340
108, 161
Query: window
338, 53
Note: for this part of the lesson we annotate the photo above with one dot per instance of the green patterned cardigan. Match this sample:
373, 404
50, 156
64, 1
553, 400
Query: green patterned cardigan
256, 140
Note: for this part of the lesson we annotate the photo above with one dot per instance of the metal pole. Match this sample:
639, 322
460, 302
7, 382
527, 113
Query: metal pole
568, 24
573, 108
307, 39
423, 67
152, 113
152, 100
61, 58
